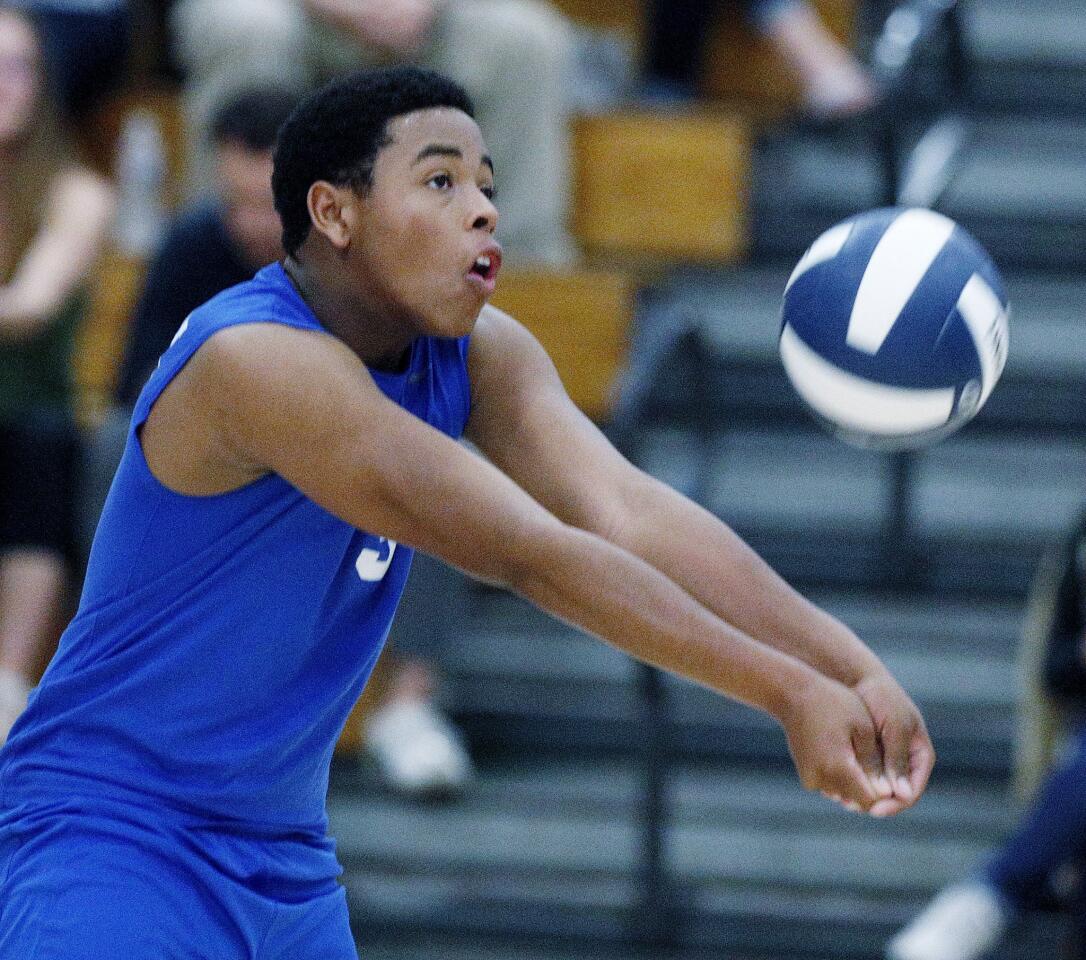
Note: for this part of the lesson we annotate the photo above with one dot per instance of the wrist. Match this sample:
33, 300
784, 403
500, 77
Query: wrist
791, 692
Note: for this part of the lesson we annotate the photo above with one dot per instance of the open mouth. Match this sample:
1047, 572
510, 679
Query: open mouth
486, 266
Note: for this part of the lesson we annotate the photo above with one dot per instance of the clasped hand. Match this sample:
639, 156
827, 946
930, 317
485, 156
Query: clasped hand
866, 747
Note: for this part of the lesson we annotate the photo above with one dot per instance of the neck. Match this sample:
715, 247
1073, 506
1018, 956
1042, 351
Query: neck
379, 342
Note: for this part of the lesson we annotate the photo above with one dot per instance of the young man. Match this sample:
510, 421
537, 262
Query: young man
216, 243
163, 795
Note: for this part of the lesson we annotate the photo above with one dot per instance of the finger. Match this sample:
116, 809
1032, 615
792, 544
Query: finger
847, 804
888, 807
896, 737
865, 746
921, 762
849, 781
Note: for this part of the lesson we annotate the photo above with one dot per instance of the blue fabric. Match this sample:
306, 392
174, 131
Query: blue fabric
78, 887
1051, 835
220, 641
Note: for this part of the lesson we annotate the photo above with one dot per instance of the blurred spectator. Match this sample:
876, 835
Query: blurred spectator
1040, 865
834, 83
220, 241
514, 57
54, 223
86, 45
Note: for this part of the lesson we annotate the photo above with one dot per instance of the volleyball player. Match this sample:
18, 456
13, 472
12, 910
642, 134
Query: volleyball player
163, 796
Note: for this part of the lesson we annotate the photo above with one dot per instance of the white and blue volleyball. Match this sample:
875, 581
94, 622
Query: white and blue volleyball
894, 328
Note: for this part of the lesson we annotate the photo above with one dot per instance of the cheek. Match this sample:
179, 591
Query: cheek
408, 249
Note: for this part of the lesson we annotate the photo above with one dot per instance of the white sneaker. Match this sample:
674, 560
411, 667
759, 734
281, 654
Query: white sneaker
963, 922
417, 750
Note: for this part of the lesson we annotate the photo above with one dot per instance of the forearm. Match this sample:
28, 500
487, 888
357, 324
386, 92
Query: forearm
620, 598
707, 559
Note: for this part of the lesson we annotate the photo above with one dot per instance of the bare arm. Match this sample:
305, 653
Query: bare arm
523, 420
308, 410
60, 257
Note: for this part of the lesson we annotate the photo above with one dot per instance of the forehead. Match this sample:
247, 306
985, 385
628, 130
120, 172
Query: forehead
243, 168
412, 133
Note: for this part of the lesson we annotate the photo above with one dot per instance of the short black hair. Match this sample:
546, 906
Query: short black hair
337, 131
253, 116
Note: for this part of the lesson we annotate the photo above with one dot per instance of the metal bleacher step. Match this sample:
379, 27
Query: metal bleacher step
1027, 57
1014, 185
517, 680
981, 507
552, 847
738, 314
1019, 189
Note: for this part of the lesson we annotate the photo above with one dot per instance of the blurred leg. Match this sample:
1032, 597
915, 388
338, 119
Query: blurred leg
675, 45
38, 463
226, 46
32, 583
415, 747
1052, 834
833, 81
514, 58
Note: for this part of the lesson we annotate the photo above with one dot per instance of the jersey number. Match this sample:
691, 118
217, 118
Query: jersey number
373, 562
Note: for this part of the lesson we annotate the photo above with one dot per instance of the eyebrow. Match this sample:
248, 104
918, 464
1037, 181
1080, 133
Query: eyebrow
444, 150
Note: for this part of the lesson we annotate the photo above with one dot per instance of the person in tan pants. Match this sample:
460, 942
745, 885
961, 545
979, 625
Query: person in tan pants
512, 56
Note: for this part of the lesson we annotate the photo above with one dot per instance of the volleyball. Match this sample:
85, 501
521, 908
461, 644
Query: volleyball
894, 328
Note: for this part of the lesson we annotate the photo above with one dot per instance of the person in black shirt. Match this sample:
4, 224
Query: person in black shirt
220, 241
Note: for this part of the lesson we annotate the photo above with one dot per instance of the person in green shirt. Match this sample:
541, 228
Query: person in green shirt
54, 222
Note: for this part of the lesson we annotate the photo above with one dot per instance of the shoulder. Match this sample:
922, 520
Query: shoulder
498, 336
504, 348
255, 367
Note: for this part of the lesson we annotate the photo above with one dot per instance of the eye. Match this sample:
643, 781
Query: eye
487, 191
440, 181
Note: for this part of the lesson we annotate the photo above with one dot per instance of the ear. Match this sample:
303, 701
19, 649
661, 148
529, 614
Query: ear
328, 211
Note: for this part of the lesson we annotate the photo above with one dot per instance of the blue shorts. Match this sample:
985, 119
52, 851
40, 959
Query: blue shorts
87, 888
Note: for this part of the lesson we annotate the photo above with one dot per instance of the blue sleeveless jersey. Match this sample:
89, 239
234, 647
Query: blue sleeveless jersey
220, 641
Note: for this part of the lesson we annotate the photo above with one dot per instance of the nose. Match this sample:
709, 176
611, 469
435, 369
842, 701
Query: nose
484, 213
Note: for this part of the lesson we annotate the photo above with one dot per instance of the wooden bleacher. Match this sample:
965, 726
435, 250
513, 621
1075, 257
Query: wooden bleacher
741, 68
664, 188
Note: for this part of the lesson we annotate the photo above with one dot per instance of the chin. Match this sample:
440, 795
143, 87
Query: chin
454, 323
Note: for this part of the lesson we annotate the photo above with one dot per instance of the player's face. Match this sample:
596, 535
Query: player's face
244, 184
19, 76
424, 248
